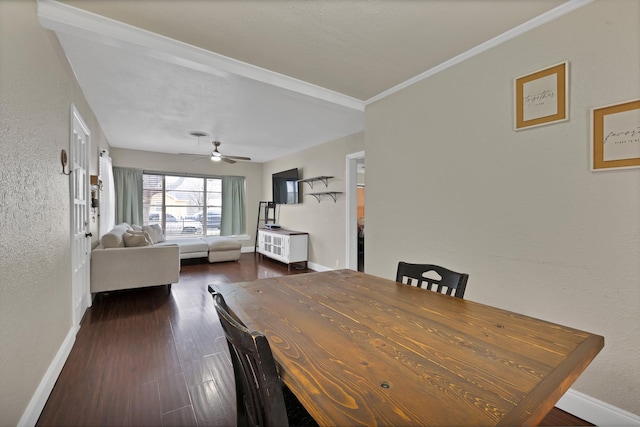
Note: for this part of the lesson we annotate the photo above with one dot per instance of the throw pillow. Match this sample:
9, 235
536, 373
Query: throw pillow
159, 232
112, 240
142, 233
155, 231
136, 227
132, 240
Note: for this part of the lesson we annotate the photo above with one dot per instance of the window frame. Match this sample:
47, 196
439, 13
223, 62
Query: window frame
163, 208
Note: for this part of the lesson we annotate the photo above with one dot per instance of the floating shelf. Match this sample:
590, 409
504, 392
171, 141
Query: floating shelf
310, 181
318, 196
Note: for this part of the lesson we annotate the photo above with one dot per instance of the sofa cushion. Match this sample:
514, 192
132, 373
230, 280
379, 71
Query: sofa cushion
133, 240
221, 243
188, 245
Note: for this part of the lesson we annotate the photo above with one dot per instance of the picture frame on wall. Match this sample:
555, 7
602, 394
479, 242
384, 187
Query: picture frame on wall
541, 97
615, 136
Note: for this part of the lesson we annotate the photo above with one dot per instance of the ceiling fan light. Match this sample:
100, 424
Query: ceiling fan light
216, 158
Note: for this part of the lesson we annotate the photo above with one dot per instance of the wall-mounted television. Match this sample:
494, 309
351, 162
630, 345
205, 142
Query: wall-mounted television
285, 187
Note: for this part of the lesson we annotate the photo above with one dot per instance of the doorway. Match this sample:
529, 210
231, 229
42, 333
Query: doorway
355, 190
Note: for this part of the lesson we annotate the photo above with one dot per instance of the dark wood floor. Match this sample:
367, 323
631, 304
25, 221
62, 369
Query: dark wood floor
149, 358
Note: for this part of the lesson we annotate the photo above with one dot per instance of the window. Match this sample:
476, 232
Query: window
182, 205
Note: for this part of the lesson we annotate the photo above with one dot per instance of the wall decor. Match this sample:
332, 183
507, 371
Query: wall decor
542, 97
615, 136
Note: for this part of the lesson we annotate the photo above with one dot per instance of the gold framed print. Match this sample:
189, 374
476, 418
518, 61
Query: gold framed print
615, 136
541, 97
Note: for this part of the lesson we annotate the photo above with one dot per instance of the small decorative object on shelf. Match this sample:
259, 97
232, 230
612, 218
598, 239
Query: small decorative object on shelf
318, 196
310, 181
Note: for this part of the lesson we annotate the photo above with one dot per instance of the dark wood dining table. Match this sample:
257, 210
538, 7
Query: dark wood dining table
357, 349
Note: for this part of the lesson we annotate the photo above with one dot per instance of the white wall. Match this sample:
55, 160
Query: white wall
37, 88
325, 220
450, 182
185, 164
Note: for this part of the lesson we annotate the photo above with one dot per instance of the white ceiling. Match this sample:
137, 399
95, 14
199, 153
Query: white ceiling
265, 77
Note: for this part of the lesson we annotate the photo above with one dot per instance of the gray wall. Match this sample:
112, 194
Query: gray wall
450, 182
37, 88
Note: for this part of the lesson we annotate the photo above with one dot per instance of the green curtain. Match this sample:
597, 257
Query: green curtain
233, 206
128, 185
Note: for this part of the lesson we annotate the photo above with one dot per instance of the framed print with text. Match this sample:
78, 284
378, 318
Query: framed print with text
615, 136
542, 97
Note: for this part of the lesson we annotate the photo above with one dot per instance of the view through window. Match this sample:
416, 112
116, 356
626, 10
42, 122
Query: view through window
182, 205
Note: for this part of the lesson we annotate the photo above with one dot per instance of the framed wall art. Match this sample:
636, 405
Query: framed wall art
615, 136
541, 97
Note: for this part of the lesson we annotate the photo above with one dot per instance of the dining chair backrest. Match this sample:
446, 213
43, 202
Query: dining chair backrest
259, 393
432, 277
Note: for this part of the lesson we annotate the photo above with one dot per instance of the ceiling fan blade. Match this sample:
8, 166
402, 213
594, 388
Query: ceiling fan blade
238, 157
216, 153
196, 156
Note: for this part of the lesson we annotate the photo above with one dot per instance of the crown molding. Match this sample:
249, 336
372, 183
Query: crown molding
72, 21
66, 19
536, 22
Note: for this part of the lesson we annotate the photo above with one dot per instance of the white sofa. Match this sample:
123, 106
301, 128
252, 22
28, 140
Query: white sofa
128, 258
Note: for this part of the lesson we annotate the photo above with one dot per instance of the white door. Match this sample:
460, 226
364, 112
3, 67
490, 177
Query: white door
80, 236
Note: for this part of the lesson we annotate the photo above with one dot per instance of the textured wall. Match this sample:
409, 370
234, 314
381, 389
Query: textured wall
521, 212
37, 88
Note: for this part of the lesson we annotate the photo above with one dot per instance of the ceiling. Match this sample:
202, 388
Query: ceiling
265, 77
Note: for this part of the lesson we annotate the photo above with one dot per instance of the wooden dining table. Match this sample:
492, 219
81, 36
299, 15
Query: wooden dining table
357, 349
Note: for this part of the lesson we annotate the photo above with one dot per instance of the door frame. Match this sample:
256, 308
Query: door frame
351, 227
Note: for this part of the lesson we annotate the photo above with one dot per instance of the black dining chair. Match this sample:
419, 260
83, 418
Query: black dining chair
261, 397
422, 276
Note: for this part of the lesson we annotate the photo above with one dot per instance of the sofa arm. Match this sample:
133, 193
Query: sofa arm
134, 267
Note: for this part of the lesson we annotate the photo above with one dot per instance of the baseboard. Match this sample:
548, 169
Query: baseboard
311, 265
317, 267
595, 411
39, 399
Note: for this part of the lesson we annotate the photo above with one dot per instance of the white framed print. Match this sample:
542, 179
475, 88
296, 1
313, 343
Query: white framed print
541, 97
615, 136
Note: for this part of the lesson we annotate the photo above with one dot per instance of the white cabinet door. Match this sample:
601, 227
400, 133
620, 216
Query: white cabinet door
284, 247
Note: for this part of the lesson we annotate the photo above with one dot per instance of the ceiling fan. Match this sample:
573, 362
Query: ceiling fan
216, 155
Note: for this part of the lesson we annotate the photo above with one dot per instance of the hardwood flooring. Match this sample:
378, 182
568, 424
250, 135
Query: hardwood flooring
147, 357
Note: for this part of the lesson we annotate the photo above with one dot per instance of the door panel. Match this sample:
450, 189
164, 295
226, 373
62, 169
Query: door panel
80, 236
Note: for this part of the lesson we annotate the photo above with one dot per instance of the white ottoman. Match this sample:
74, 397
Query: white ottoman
222, 248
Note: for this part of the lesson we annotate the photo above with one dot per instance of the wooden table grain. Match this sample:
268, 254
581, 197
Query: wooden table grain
361, 350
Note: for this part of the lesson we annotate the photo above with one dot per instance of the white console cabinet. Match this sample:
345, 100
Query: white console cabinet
286, 246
